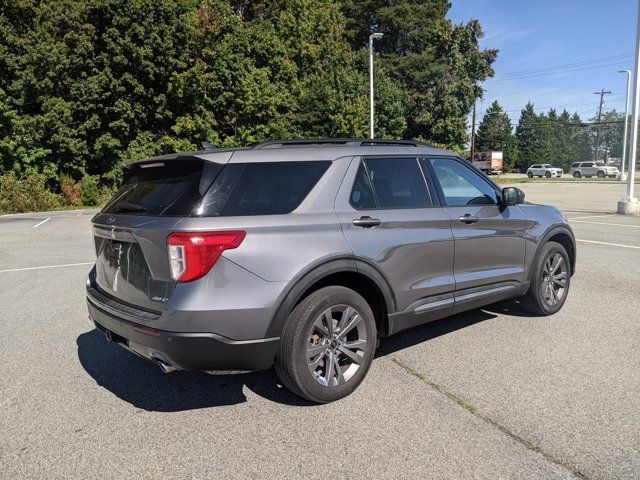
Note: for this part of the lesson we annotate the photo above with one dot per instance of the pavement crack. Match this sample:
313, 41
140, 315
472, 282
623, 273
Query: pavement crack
490, 421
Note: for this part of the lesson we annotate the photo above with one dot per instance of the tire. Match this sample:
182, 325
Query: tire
529, 174
577, 175
307, 324
539, 300
547, 174
600, 174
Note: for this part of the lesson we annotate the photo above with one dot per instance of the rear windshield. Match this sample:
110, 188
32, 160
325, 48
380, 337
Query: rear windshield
164, 188
261, 188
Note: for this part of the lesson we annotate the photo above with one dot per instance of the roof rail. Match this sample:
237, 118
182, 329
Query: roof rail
350, 142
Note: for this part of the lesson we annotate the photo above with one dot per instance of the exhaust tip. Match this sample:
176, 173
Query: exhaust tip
165, 367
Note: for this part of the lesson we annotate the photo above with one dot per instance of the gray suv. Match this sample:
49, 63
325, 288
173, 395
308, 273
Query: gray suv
303, 253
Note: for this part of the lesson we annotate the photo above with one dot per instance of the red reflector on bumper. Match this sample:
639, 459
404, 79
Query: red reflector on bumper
148, 331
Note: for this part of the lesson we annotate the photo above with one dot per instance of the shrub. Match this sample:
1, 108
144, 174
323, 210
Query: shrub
90, 190
71, 191
27, 194
105, 195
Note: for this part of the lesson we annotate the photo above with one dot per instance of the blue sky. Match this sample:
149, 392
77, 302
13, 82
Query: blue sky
540, 34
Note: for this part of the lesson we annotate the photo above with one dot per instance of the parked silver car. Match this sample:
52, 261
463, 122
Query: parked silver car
593, 169
302, 253
544, 170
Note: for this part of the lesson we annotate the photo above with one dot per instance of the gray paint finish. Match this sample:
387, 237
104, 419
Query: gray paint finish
425, 255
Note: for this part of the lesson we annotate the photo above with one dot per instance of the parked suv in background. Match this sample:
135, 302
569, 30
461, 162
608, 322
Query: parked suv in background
303, 253
544, 170
593, 169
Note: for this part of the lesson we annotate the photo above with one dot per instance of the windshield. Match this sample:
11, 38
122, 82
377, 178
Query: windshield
601, 164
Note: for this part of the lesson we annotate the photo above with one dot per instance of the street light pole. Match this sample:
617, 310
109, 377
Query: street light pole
626, 123
371, 38
630, 204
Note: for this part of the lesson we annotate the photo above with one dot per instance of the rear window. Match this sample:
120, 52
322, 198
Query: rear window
261, 188
163, 188
575, 165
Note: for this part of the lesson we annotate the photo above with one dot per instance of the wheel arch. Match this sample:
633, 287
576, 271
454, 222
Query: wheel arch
350, 272
563, 235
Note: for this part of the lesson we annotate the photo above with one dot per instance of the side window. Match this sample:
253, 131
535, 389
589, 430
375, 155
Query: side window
362, 192
462, 186
397, 182
588, 164
535, 166
261, 188
575, 165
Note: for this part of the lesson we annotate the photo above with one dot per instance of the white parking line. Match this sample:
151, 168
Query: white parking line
46, 266
45, 220
607, 243
592, 216
605, 223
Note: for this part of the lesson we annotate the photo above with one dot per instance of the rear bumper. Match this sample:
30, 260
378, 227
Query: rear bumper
185, 351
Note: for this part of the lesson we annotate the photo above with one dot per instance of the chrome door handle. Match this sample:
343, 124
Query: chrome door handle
468, 218
366, 222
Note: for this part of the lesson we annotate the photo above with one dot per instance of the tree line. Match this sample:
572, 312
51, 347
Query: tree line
86, 85
558, 139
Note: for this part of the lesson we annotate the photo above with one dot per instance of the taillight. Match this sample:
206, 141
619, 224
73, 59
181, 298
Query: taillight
193, 254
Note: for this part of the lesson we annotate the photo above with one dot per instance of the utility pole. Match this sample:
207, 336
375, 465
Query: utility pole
473, 130
601, 93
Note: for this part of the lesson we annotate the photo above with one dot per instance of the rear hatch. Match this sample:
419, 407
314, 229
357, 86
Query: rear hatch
130, 233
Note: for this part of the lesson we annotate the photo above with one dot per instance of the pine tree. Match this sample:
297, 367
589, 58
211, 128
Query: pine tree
494, 130
528, 138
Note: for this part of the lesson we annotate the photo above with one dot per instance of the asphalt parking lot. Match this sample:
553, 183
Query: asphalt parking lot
493, 393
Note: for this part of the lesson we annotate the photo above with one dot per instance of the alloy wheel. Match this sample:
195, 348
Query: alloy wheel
336, 345
554, 279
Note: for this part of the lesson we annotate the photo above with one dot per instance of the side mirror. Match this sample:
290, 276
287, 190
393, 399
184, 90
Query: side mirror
512, 196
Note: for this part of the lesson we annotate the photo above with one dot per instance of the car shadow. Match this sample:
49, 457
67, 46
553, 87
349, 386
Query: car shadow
429, 331
142, 384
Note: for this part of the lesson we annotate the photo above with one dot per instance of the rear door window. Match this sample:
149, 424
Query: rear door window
267, 188
163, 188
396, 183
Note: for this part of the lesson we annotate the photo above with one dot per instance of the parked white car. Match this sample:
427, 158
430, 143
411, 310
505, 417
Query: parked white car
544, 170
593, 169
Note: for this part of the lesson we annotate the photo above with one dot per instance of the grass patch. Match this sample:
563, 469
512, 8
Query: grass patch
511, 180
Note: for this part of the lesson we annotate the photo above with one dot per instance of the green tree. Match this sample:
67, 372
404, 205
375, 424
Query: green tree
528, 138
437, 64
611, 134
494, 130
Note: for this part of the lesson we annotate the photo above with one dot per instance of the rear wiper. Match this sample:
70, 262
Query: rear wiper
132, 207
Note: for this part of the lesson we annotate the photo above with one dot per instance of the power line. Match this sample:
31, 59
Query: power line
566, 124
584, 62
558, 107
557, 73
